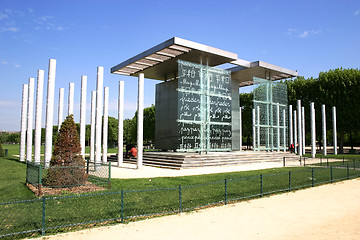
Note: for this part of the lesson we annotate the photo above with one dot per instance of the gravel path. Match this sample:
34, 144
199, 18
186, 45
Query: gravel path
326, 212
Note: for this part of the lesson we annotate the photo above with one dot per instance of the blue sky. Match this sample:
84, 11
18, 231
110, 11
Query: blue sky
308, 36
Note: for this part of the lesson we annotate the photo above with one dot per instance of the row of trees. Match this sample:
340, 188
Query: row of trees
130, 130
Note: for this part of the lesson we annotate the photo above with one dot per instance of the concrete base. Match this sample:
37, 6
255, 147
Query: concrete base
174, 160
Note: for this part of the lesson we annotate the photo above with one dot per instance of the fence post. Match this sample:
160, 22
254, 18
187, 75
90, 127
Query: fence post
43, 216
331, 174
39, 180
225, 192
284, 158
347, 169
300, 160
312, 177
289, 181
180, 205
354, 162
109, 180
87, 166
327, 162
343, 161
261, 185
122, 206
304, 162
320, 161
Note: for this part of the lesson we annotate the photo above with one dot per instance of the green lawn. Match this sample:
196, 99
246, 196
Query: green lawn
143, 197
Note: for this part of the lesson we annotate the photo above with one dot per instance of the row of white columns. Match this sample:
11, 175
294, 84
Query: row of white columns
28, 108
297, 128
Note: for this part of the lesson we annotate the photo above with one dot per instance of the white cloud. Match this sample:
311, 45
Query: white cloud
17, 65
357, 12
48, 23
3, 16
9, 29
293, 32
9, 103
305, 34
4, 62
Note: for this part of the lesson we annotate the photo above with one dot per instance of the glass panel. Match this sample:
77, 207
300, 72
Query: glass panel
270, 104
204, 108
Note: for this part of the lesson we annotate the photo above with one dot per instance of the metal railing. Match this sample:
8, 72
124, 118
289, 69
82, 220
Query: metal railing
40, 177
51, 214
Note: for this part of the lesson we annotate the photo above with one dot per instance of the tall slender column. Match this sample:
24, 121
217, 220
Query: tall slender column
254, 129
25, 95
284, 132
105, 126
38, 115
140, 120
49, 111
240, 127
291, 139
295, 132
60, 107
99, 99
278, 127
83, 114
303, 129
334, 129
324, 128
313, 130
92, 126
71, 99
29, 137
258, 127
121, 123
299, 127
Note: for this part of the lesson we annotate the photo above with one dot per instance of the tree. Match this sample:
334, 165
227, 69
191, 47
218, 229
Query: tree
149, 125
66, 154
246, 103
128, 126
112, 131
2, 153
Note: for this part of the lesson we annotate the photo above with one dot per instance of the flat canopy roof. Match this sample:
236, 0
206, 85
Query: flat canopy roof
261, 70
160, 62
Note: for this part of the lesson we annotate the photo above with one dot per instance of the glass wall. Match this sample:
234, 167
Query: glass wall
271, 111
204, 108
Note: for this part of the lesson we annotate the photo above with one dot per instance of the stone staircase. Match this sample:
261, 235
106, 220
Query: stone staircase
174, 160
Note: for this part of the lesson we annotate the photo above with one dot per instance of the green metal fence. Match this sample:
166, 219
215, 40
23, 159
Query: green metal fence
52, 214
68, 176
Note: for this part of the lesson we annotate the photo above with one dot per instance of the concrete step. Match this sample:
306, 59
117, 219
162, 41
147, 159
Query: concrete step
195, 160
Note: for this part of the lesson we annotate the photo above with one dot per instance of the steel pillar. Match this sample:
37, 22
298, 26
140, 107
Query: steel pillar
60, 107
49, 111
83, 114
105, 126
299, 127
92, 126
25, 95
71, 99
140, 119
334, 129
99, 99
29, 138
121, 123
324, 128
313, 130
38, 115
